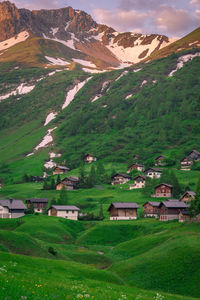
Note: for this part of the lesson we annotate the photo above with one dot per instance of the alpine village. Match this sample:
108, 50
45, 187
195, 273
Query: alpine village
99, 159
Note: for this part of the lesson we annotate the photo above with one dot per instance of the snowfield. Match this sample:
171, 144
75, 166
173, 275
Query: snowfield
72, 93
47, 139
57, 61
84, 63
21, 37
22, 89
182, 60
49, 118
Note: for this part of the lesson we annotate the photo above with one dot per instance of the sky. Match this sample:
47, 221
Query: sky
174, 18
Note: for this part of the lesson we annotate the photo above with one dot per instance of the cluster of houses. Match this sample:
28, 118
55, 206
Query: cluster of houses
167, 210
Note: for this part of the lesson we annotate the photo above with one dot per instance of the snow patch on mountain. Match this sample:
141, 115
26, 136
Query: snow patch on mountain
129, 96
94, 71
182, 60
21, 37
72, 93
20, 90
143, 83
121, 75
49, 118
57, 61
84, 62
105, 88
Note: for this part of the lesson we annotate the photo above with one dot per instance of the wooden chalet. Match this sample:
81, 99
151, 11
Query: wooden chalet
38, 203
11, 208
188, 196
123, 210
68, 183
186, 164
151, 209
159, 160
89, 158
153, 172
194, 155
163, 190
64, 211
120, 178
169, 210
60, 170
137, 167
139, 182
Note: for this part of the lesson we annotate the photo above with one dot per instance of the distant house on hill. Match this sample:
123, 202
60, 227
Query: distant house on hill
68, 183
11, 208
188, 196
169, 210
139, 182
153, 172
123, 210
163, 190
60, 170
89, 158
194, 155
38, 203
135, 166
159, 160
186, 163
151, 209
64, 211
120, 178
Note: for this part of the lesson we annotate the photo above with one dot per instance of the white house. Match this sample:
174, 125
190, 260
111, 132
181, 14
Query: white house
64, 211
89, 158
139, 182
153, 172
11, 208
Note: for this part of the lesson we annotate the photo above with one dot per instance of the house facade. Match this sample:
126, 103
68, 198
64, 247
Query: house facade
38, 203
11, 208
64, 211
137, 167
188, 196
60, 170
151, 209
186, 164
169, 210
139, 182
89, 158
123, 211
68, 183
184, 216
120, 178
153, 172
159, 160
163, 190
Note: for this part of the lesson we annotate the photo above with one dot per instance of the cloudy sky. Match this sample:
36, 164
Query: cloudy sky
174, 18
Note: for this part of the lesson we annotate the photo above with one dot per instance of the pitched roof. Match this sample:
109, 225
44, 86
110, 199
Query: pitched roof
62, 167
142, 176
191, 193
124, 205
74, 179
173, 203
153, 203
153, 170
122, 174
194, 151
136, 164
166, 184
13, 204
65, 207
160, 156
38, 200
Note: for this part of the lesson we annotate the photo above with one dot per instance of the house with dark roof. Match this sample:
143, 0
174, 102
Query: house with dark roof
123, 210
136, 166
186, 163
64, 211
194, 155
188, 196
38, 203
68, 183
11, 208
151, 209
89, 158
60, 170
139, 182
159, 160
153, 172
120, 178
163, 190
170, 209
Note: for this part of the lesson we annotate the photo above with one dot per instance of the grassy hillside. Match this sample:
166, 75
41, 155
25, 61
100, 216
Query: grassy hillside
141, 258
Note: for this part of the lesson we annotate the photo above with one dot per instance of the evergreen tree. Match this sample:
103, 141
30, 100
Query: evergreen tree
100, 172
25, 178
58, 180
45, 185
91, 180
101, 215
62, 200
176, 186
82, 176
30, 209
53, 184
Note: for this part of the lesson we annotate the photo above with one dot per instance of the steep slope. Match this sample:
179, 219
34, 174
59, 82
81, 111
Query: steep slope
78, 31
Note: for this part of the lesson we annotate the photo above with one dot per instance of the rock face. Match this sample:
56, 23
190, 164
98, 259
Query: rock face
77, 30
